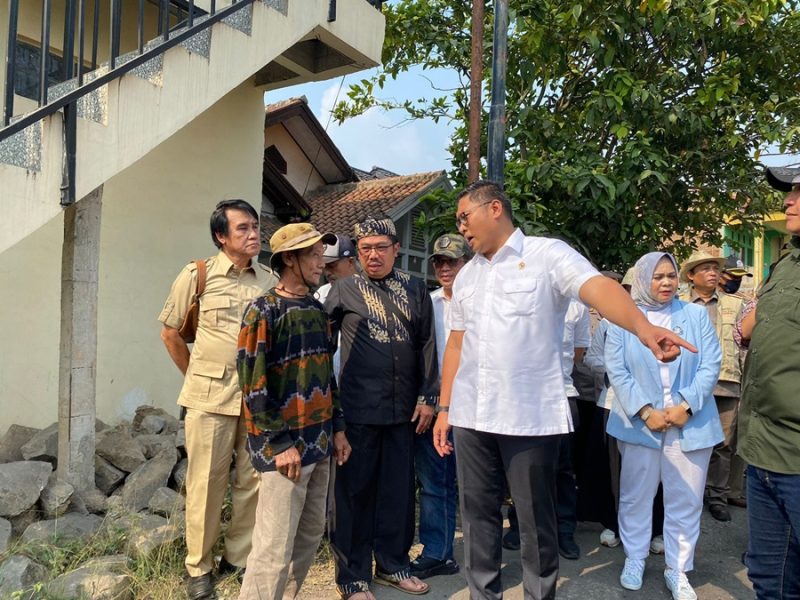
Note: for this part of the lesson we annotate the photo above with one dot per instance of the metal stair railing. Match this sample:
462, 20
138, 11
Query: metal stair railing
196, 20
68, 101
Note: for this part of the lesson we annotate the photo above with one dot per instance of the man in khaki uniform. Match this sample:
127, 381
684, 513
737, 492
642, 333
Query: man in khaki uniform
211, 395
703, 272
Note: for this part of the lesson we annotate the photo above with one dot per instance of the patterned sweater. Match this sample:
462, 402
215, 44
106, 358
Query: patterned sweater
286, 375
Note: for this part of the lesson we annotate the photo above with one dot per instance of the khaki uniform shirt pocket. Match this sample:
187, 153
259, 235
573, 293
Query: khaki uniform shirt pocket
215, 312
204, 380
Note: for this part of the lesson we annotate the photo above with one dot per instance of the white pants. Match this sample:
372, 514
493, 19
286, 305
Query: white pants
683, 475
290, 520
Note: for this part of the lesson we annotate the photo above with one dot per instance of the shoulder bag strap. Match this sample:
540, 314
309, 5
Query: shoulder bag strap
201, 278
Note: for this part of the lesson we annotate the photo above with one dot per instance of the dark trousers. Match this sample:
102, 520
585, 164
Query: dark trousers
593, 471
773, 551
484, 462
374, 495
566, 488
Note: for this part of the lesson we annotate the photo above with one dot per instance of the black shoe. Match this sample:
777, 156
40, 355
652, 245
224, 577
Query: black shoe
568, 548
200, 588
424, 567
719, 512
225, 569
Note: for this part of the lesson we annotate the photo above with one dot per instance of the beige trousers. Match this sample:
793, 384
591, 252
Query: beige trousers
211, 440
290, 520
726, 468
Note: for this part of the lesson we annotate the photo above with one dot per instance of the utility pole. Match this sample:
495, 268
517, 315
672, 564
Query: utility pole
497, 114
475, 87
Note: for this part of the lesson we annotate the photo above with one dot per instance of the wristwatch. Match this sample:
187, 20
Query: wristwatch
440, 409
646, 413
685, 406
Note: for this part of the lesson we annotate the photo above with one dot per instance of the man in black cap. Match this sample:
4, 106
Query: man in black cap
389, 386
733, 272
769, 418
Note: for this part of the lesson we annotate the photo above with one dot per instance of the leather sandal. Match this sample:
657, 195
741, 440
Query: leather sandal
395, 580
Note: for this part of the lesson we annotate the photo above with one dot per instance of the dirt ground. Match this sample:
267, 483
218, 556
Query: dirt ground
718, 574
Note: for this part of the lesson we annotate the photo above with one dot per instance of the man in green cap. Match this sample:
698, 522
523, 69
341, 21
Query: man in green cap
437, 474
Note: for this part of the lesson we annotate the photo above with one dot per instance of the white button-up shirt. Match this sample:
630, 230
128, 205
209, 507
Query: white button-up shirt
577, 334
441, 316
511, 310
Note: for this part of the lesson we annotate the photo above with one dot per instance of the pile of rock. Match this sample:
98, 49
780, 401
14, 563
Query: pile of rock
140, 468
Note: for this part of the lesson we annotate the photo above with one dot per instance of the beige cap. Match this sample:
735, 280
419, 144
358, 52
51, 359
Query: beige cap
698, 258
296, 236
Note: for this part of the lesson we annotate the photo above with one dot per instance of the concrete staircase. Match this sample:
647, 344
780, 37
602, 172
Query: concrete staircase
274, 43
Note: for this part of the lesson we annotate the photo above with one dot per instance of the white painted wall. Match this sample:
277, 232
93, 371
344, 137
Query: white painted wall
155, 220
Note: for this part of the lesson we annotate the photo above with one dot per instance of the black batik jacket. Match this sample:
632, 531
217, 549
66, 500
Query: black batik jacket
388, 349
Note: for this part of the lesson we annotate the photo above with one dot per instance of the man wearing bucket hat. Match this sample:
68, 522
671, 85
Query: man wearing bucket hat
769, 418
294, 422
438, 498
703, 272
210, 393
389, 385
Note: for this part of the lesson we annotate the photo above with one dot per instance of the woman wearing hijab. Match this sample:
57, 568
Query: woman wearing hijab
666, 423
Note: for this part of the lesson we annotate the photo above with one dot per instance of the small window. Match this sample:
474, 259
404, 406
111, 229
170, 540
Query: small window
417, 235
273, 155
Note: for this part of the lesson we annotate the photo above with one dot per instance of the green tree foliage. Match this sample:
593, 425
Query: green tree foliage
632, 125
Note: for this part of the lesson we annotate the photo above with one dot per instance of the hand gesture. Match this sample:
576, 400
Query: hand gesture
663, 343
657, 421
677, 415
341, 448
288, 463
424, 413
440, 430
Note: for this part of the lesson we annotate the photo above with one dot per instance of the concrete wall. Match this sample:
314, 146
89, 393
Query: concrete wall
154, 221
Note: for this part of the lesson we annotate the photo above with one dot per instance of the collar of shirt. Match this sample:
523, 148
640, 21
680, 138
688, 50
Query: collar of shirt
514, 243
226, 264
695, 298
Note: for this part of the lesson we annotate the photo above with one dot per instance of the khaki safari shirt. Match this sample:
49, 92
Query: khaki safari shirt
211, 383
723, 310
769, 416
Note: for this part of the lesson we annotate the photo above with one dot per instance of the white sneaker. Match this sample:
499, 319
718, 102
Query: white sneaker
678, 584
609, 538
632, 573
657, 545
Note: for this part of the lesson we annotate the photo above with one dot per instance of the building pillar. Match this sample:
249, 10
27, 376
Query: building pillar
78, 351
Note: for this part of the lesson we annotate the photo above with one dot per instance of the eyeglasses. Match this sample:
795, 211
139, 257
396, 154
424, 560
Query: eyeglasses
379, 248
440, 261
463, 218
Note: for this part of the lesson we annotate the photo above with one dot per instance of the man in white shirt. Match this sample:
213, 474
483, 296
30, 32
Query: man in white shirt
340, 262
502, 371
437, 474
574, 342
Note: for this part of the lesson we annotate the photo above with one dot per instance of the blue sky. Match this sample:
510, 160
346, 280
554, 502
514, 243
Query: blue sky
381, 138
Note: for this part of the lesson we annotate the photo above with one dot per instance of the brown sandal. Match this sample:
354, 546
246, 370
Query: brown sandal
395, 580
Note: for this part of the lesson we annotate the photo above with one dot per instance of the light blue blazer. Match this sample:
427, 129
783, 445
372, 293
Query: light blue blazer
634, 374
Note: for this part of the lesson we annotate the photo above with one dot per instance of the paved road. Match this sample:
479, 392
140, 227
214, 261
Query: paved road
718, 574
